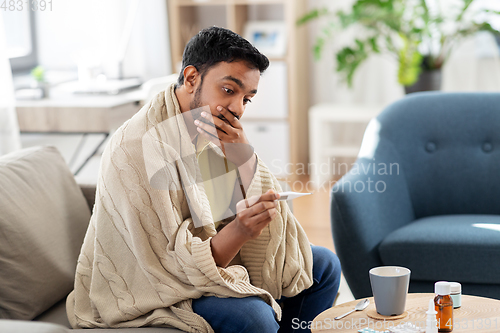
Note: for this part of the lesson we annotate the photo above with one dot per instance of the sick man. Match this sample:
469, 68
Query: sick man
187, 230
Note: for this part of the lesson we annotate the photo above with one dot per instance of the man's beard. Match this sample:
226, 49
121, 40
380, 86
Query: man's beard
196, 102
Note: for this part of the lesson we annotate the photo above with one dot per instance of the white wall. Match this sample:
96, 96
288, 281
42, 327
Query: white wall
93, 29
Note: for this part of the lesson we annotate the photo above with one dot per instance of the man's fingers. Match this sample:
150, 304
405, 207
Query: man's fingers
257, 208
264, 217
263, 206
209, 136
270, 195
231, 117
246, 203
209, 128
214, 121
220, 129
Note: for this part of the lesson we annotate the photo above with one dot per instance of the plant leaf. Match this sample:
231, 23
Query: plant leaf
409, 62
38, 73
373, 44
349, 59
318, 48
313, 14
467, 4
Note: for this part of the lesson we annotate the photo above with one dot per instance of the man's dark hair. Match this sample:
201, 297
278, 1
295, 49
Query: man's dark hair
213, 45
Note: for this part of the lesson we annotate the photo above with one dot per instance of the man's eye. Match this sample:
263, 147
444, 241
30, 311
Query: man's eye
229, 91
246, 100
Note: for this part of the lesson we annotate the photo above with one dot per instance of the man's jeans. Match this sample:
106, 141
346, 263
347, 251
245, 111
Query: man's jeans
253, 315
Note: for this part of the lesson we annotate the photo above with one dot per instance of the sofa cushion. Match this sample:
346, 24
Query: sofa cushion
43, 219
431, 248
55, 315
20, 326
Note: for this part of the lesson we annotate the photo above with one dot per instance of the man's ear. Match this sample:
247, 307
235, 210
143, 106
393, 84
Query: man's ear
191, 77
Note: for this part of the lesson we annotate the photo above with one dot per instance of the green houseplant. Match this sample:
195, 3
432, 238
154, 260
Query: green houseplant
418, 33
38, 74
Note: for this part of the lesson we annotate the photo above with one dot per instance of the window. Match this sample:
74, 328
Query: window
21, 39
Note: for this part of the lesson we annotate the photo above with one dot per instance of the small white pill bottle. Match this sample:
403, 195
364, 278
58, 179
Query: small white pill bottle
456, 294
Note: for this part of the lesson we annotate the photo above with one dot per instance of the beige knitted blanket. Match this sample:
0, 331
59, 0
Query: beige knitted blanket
147, 252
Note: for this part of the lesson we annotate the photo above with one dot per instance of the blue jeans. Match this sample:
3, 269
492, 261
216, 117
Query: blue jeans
253, 315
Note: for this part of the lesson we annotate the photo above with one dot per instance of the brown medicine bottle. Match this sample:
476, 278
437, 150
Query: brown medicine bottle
444, 306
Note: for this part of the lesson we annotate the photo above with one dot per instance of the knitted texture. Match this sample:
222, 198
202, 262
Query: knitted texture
147, 251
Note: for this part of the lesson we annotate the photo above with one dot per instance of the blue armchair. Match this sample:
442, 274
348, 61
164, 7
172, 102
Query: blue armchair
424, 193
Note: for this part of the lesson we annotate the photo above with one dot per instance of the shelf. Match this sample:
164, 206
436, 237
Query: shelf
341, 151
184, 3
190, 3
336, 130
247, 118
343, 112
281, 59
259, 2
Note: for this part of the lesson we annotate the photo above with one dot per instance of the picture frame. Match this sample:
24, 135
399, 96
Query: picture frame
269, 37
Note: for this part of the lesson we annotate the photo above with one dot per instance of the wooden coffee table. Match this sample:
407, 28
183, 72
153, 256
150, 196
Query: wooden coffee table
477, 314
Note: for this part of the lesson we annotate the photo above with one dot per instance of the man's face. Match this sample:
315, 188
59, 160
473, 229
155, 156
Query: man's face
230, 85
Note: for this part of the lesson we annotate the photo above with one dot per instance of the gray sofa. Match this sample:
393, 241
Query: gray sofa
435, 207
44, 215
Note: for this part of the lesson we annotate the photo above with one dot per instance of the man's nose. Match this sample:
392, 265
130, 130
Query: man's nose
237, 109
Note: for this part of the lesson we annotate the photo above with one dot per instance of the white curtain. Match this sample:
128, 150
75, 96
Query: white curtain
9, 128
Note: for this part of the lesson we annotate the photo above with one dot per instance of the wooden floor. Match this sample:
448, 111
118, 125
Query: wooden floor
313, 213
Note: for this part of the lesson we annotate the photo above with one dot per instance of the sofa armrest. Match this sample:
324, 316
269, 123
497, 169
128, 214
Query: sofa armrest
88, 191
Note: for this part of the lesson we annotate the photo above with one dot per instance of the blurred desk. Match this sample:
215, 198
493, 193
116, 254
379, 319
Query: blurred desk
65, 113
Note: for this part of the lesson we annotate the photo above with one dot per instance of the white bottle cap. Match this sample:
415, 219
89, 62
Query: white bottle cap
442, 288
456, 288
432, 309
431, 322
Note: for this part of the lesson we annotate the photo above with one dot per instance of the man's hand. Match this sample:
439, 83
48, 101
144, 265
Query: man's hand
253, 215
226, 131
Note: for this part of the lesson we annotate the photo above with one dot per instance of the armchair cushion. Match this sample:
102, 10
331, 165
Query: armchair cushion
43, 219
432, 247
